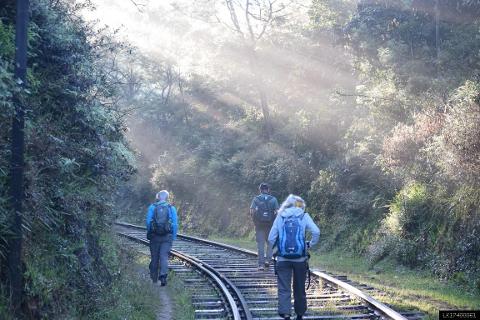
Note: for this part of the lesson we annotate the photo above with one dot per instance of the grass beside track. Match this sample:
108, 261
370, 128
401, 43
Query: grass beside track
181, 302
404, 288
183, 308
132, 296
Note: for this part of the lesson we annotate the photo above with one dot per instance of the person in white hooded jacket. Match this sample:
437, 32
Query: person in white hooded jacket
293, 207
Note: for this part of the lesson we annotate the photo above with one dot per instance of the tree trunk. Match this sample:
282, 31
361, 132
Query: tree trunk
17, 161
182, 94
267, 127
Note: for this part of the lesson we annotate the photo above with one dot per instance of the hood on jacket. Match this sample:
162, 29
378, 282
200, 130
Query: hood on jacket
292, 211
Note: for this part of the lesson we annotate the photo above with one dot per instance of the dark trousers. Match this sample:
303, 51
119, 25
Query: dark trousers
285, 270
159, 248
261, 236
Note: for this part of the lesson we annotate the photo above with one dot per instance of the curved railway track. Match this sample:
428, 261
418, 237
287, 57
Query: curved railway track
247, 293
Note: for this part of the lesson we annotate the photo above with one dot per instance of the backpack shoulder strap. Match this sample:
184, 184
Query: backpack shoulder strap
155, 206
154, 216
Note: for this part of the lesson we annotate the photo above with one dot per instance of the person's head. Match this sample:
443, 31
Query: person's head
293, 201
162, 195
264, 187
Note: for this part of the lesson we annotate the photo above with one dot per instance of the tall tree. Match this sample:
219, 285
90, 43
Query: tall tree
251, 20
17, 160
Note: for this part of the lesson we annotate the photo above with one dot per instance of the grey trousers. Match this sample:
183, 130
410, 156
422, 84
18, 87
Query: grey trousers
159, 248
285, 269
261, 236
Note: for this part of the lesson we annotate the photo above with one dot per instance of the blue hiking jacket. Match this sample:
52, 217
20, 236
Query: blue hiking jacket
172, 215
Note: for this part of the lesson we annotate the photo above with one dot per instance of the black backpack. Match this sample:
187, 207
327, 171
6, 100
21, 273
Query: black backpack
161, 224
264, 213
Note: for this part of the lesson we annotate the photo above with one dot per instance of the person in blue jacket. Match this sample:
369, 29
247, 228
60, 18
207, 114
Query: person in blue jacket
162, 226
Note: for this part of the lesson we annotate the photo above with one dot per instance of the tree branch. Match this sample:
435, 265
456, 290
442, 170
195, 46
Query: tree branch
139, 6
342, 94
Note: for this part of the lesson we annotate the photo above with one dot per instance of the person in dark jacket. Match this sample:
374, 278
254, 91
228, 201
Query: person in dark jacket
263, 210
162, 228
292, 209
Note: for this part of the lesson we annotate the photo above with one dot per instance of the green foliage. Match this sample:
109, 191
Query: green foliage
405, 227
131, 295
460, 152
323, 191
330, 14
76, 157
411, 131
7, 50
408, 206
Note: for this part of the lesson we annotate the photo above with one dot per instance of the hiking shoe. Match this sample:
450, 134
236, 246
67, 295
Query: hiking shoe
163, 281
285, 316
261, 268
267, 265
299, 317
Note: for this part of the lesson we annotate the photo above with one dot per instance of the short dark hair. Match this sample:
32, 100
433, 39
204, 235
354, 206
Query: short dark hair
263, 186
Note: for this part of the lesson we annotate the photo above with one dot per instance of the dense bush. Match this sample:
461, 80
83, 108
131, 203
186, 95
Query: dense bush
426, 102
76, 156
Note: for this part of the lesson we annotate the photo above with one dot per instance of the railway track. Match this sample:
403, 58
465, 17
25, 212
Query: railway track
240, 291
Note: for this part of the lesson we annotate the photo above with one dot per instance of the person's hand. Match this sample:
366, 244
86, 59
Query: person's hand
308, 244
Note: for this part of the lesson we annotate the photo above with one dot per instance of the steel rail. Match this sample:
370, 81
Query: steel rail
369, 300
375, 304
203, 268
238, 294
229, 284
223, 245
